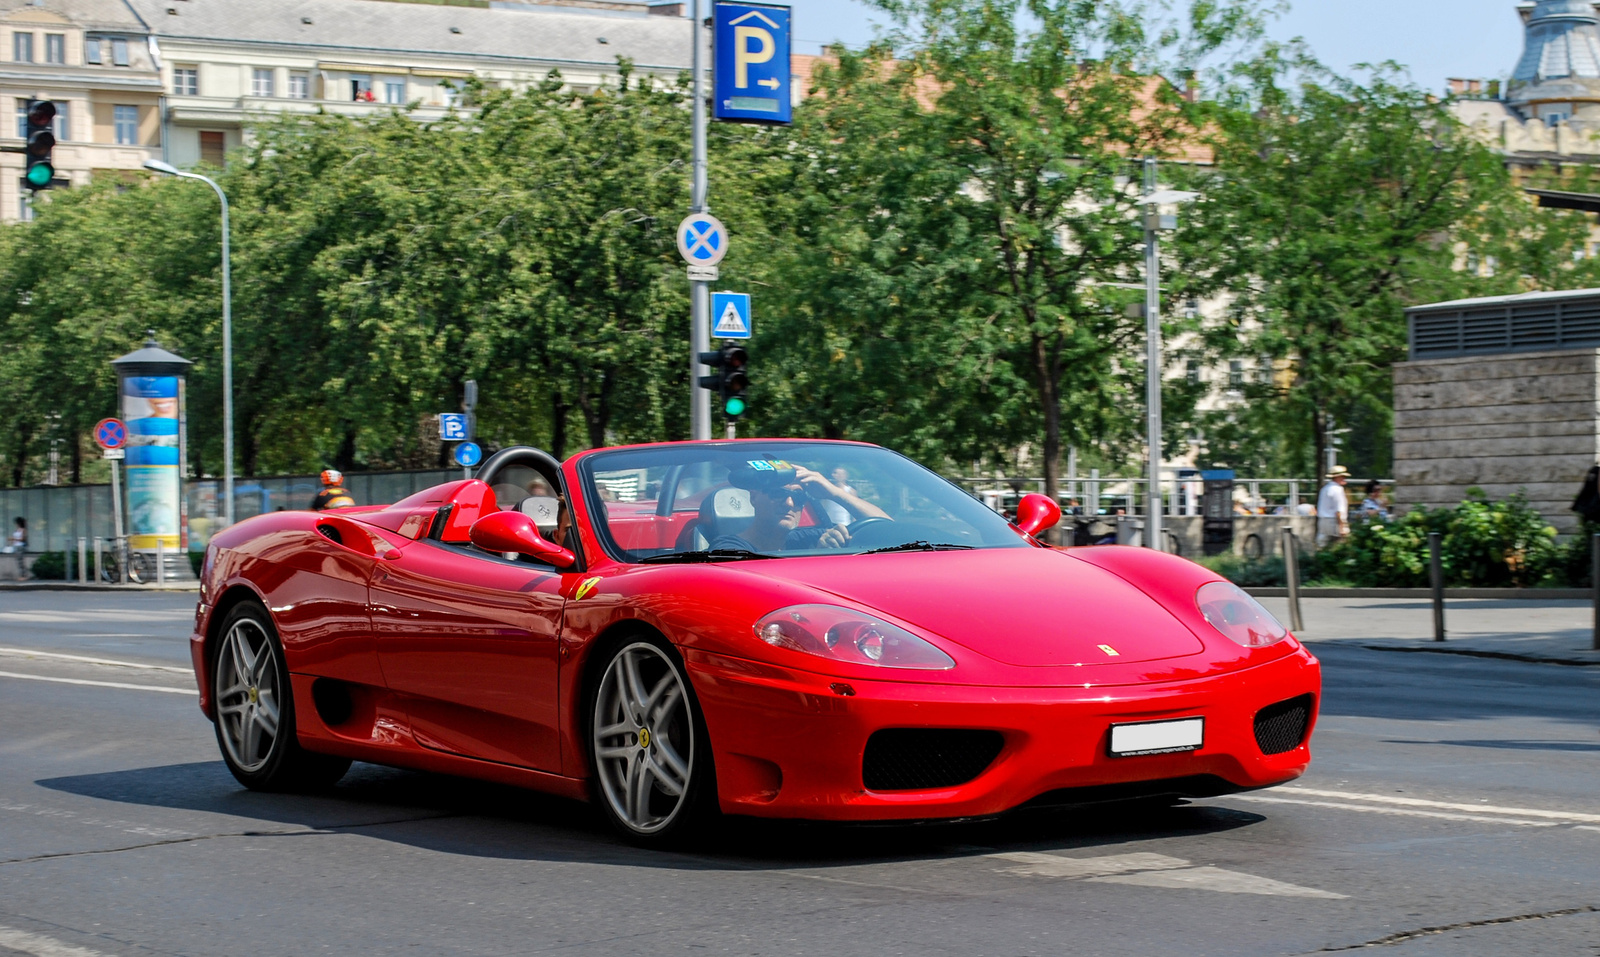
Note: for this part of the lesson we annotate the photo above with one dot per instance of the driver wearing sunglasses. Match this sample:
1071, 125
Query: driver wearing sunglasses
778, 498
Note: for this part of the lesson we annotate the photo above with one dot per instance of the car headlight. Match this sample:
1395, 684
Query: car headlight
1239, 617
845, 634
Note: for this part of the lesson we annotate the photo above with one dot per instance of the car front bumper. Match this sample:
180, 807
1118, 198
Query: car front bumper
790, 744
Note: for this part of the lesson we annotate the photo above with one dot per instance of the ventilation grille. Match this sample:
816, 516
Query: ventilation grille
1513, 327
1282, 726
914, 759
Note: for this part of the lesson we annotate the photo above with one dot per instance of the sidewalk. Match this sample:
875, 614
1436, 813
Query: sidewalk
1556, 631
58, 585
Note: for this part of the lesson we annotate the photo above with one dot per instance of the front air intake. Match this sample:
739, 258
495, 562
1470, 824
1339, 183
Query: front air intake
915, 759
1281, 727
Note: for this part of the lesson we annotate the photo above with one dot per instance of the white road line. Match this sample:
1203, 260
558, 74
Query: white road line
1149, 870
31, 653
1443, 805
99, 684
1399, 811
39, 945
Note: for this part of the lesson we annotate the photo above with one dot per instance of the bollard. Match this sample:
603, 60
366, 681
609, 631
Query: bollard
83, 564
161, 561
1291, 574
1436, 576
99, 560
121, 550
1594, 581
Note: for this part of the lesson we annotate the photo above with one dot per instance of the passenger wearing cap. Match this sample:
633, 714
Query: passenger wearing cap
778, 496
333, 494
1333, 508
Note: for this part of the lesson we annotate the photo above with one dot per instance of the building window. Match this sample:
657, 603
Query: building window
299, 86
261, 83
24, 201
394, 91
1235, 374
361, 89
22, 47
186, 81
91, 50
213, 148
1192, 371
55, 48
22, 118
119, 51
125, 120
1264, 370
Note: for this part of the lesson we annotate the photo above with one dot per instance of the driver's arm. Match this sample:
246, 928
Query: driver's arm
818, 487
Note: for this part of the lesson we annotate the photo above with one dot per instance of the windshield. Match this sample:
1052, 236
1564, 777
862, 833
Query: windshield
776, 500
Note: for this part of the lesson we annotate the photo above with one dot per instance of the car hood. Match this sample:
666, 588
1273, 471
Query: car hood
1032, 607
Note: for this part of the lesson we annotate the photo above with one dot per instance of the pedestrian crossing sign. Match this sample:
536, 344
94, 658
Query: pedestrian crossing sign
732, 315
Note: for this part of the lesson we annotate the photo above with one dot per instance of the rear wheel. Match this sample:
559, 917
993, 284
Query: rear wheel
255, 709
647, 741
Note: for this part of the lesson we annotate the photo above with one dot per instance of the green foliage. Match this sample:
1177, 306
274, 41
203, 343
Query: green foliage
1265, 572
1484, 545
50, 566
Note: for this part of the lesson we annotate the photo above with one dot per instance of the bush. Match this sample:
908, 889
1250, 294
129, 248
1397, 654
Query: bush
1248, 572
50, 566
1484, 545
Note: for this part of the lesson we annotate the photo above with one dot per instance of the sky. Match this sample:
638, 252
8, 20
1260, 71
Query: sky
1435, 39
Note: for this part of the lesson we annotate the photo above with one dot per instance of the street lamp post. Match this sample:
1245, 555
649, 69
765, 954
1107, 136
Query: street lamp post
1154, 223
227, 335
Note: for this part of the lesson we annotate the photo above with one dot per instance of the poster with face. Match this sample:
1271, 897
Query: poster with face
150, 408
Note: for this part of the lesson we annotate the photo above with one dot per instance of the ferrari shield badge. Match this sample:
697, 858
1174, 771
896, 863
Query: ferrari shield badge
1111, 651
586, 588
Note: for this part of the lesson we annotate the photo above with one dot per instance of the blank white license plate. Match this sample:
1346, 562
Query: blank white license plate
1158, 737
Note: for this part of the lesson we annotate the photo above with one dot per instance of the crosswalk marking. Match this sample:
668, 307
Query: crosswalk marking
1149, 870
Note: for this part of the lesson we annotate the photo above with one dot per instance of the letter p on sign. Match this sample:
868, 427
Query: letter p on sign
745, 54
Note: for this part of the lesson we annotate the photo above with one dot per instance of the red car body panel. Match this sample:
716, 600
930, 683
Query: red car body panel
461, 663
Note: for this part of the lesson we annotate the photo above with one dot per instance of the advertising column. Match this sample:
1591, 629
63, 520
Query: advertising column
150, 386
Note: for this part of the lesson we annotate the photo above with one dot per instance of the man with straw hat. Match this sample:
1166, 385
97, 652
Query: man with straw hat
1333, 508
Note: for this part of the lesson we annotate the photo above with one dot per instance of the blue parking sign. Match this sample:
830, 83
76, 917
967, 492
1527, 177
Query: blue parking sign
750, 53
453, 426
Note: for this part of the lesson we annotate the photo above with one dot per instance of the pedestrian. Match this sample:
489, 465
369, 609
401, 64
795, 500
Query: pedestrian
1333, 508
836, 513
17, 546
333, 494
1373, 507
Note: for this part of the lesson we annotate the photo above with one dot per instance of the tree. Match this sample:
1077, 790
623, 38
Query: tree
1333, 205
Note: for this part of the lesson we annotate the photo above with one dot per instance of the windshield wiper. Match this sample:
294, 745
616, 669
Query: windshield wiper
919, 547
711, 555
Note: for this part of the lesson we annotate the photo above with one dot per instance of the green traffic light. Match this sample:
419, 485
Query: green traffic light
734, 406
40, 175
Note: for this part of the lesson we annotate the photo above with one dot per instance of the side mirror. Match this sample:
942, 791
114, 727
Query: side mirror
1036, 512
516, 532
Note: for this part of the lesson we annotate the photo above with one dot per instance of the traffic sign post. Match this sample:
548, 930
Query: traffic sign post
702, 241
467, 455
750, 47
731, 312
111, 434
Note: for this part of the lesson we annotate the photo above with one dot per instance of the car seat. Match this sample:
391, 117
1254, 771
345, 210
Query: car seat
726, 511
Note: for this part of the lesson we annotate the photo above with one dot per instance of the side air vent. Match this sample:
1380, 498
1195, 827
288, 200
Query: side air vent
914, 759
331, 533
1281, 727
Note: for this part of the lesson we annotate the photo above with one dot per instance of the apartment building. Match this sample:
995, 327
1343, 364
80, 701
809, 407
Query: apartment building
225, 63
94, 60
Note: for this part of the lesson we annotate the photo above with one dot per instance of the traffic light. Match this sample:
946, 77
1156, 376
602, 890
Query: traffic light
41, 140
730, 381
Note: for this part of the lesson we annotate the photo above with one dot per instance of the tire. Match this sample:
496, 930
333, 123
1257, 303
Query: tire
654, 778
254, 708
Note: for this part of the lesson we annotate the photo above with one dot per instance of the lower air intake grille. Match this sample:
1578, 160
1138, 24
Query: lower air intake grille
1280, 727
912, 759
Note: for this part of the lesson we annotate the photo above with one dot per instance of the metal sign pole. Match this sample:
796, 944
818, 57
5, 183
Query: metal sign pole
119, 549
699, 291
1152, 367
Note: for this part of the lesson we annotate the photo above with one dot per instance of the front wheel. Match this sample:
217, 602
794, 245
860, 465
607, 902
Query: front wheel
648, 744
255, 710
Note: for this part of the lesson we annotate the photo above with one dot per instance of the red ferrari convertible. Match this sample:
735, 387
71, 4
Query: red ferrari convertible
778, 628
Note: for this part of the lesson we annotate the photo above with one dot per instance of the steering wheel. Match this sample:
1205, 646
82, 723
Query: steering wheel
537, 459
865, 526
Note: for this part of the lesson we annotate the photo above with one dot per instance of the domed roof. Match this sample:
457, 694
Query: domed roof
1561, 55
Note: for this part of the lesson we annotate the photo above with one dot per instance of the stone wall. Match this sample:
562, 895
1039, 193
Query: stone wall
1497, 422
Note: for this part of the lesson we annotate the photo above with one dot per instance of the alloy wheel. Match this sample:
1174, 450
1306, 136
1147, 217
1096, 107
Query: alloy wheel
248, 694
643, 738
